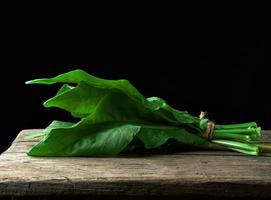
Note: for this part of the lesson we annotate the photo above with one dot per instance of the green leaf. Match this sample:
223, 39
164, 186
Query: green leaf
113, 110
77, 76
113, 114
55, 124
80, 101
64, 88
107, 141
155, 137
98, 140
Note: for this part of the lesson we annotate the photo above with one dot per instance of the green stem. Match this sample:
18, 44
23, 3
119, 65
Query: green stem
225, 135
236, 126
238, 134
250, 149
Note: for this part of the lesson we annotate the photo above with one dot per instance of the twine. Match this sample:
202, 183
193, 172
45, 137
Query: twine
209, 130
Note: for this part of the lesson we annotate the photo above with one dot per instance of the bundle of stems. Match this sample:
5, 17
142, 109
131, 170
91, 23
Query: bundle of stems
238, 137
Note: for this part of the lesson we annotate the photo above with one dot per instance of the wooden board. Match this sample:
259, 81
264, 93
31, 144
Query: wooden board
196, 172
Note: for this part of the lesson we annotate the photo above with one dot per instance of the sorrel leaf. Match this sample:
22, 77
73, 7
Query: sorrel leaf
113, 114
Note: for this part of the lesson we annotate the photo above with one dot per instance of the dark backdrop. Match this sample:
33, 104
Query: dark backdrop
222, 72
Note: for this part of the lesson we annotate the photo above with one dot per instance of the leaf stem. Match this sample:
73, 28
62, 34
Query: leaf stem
250, 149
236, 126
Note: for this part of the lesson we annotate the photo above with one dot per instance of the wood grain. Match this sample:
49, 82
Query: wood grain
215, 173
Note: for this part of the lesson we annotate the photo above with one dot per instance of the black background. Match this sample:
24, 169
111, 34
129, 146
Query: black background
220, 68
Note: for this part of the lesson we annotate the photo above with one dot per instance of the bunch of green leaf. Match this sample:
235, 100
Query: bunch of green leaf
114, 117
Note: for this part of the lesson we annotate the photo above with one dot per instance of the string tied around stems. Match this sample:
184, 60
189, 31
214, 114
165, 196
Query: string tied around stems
209, 130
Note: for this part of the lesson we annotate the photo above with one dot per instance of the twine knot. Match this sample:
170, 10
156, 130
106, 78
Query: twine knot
209, 130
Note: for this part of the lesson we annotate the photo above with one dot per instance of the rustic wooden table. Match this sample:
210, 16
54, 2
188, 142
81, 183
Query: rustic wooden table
186, 173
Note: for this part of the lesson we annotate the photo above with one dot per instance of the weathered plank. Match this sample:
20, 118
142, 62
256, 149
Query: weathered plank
213, 173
